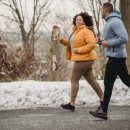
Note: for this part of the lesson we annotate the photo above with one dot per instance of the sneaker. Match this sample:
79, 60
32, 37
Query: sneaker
101, 102
68, 107
99, 113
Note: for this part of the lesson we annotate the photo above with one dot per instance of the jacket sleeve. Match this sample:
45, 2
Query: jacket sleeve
64, 41
90, 43
121, 36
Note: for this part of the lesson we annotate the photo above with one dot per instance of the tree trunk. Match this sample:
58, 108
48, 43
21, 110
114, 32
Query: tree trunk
125, 6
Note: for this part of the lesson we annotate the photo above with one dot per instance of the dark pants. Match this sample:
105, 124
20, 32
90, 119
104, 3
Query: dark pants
114, 67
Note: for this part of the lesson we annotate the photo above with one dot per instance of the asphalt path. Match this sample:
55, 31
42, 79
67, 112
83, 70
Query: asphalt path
48, 118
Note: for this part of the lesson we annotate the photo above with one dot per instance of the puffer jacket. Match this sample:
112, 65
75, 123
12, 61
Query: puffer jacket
84, 41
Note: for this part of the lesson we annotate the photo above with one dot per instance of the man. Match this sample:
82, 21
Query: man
115, 39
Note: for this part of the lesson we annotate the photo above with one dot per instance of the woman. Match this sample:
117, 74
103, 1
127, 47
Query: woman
80, 49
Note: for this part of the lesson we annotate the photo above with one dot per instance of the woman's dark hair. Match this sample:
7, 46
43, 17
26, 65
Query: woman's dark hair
86, 18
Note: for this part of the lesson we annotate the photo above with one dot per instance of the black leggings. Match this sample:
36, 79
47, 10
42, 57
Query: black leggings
114, 67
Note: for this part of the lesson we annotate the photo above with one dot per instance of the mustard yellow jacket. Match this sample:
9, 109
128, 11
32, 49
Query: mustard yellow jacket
84, 41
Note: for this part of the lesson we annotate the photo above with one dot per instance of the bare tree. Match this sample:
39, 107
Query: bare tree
93, 7
62, 28
125, 6
40, 9
28, 27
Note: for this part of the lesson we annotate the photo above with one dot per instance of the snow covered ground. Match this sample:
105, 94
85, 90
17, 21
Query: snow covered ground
31, 94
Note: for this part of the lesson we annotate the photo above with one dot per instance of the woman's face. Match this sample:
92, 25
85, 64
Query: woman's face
79, 21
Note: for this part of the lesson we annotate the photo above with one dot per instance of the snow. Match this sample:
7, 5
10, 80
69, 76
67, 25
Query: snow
32, 94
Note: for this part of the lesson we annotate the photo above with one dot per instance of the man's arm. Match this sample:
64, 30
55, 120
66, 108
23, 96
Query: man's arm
120, 32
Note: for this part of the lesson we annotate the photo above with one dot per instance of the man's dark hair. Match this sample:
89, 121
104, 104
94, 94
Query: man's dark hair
108, 6
86, 18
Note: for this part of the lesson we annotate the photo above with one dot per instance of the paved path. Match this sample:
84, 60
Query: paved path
59, 119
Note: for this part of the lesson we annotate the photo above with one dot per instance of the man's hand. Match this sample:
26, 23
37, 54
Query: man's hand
98, 41
104, 43
75, 50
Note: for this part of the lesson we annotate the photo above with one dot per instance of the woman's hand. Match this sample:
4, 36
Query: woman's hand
60, 40
64, 41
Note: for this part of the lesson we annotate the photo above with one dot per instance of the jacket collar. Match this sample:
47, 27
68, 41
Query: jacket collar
79, 28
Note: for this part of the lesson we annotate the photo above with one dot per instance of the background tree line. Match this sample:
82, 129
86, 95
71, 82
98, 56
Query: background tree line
24, 61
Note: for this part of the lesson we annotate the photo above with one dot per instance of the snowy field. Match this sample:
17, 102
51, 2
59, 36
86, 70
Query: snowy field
31, 94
